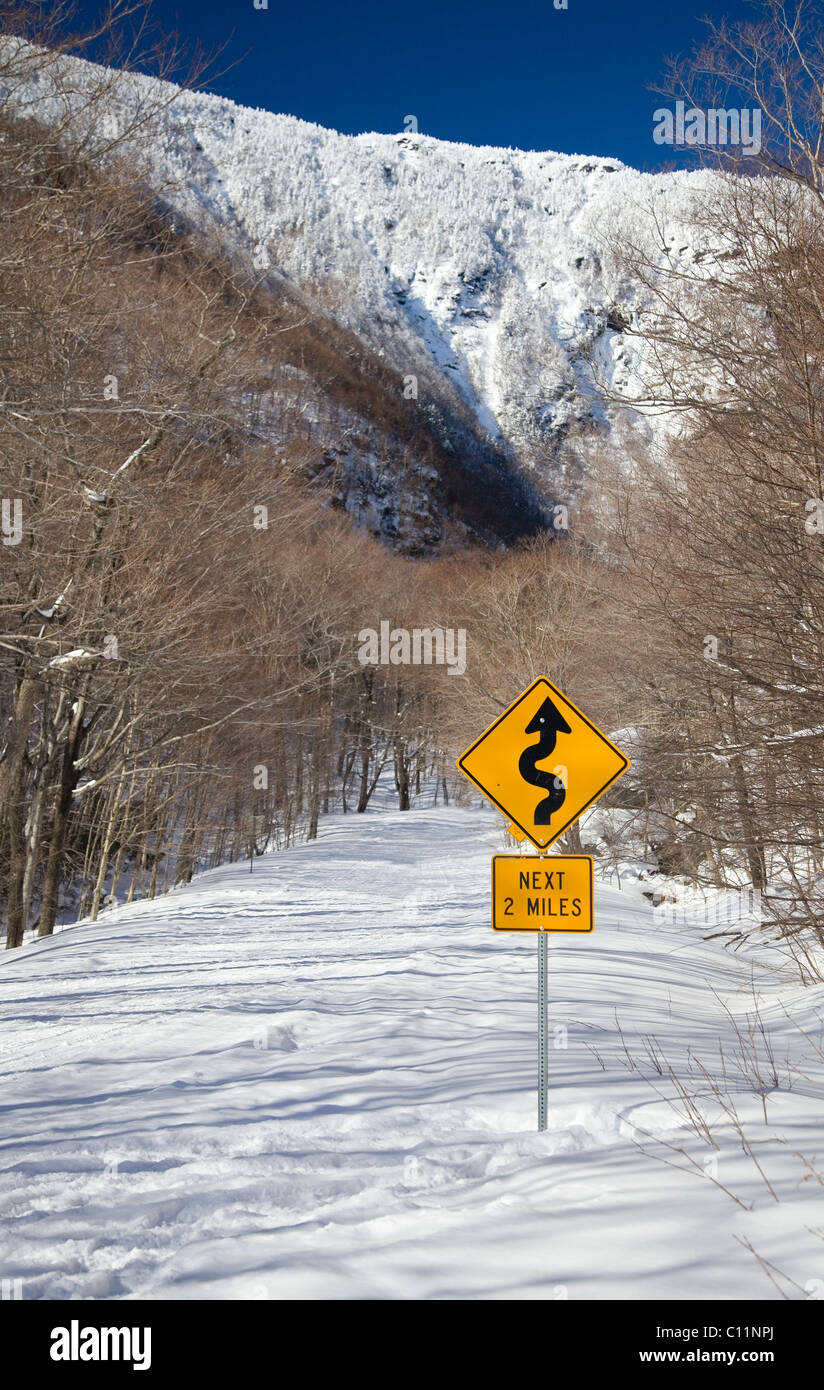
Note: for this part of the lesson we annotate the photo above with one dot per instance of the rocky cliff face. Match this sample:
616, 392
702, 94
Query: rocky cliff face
484, 279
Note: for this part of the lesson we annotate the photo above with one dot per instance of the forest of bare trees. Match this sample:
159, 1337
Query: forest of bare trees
718, 538
179, 680
177, 609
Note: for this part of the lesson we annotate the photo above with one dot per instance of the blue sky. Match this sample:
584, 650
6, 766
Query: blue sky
515, 73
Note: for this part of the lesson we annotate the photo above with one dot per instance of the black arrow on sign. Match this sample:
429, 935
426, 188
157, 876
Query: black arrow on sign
548, 722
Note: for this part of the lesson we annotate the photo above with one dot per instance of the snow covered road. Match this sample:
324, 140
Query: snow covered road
319, 1080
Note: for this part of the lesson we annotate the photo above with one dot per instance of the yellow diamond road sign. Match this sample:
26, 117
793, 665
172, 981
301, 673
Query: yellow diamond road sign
543, 763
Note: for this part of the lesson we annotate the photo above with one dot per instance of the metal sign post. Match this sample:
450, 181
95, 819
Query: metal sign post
543, 1032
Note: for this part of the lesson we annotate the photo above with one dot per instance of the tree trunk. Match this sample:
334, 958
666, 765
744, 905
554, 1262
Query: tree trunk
363, 793
402, 776
753, 846
12, 795
69, 777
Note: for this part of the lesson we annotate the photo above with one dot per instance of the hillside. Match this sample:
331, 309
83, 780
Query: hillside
486, 279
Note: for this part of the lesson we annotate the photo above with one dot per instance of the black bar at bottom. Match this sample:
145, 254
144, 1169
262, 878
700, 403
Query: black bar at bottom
215, 1340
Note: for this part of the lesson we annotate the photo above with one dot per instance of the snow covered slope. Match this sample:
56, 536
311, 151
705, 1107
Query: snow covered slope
492, 268
318, 1080
495, 265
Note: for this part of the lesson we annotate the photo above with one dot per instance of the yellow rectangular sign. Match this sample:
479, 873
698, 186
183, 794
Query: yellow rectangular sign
533, 892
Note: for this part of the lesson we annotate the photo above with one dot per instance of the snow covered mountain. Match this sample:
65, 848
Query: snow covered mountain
486, 274
494, 267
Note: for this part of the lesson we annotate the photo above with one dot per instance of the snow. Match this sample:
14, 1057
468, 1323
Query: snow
54, 608
75, 657
493, 267
318, 1080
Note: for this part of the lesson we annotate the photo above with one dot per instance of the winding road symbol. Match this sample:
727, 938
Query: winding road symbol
504, 763
549, 723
